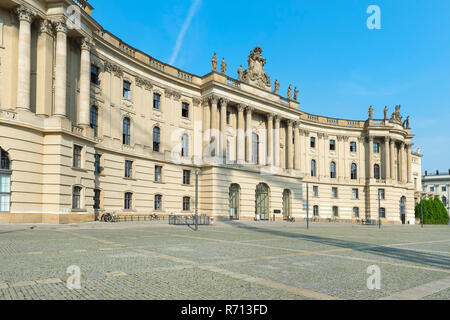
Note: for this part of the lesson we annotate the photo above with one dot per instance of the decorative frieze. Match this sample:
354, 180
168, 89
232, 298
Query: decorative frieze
60, 25
113, 68
140, 82
46, 26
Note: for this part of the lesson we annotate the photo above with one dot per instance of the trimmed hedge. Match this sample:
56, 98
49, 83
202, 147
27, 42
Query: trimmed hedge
434, 211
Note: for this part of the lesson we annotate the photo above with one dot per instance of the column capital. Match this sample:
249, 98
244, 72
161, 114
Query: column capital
46, 26
241, 107
277, 118
213, 99
289, 122
270, 116
60, 25
25, 14
86, 44
370, 138
250, 108
224, 101
297, 124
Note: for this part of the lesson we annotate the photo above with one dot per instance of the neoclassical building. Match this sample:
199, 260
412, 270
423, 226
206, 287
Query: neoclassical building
90, 124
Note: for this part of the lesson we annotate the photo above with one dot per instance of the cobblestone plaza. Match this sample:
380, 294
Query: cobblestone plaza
228, 260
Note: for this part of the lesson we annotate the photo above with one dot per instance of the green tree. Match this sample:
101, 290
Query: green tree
434, 211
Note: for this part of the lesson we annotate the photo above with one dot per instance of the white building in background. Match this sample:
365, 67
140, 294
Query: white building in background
439, 184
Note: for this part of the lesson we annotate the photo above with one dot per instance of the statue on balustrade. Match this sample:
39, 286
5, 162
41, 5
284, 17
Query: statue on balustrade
295, 93
396, 116
406, 123
289, 92
276, 86
385, 113
370, 112
223, 66
255, 74
214, 62
240, 73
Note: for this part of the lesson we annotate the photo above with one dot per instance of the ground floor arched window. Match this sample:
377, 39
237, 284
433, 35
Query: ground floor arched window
316, 211
5, 181
234, 201
262, 201
286, 203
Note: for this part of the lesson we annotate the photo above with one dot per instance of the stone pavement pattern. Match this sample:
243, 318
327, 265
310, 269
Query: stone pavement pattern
228, 260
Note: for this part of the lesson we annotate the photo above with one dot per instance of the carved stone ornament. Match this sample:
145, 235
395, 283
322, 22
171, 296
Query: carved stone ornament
196, 101
140, 82
255, 74
86, 44
60, 25
46, 26
396, 116
25, 14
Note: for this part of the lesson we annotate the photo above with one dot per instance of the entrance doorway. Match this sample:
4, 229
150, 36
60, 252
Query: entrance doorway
234, 201
262, 201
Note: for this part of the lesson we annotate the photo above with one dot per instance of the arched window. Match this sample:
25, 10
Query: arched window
444, 201
234, 201
353, 172
126, 131
158, 202
333, 170
255, 148
313, 168
376, 171
286, 203
94, 120
262, 201
316, 211
185, 145
76, 197
156, 139
5, 181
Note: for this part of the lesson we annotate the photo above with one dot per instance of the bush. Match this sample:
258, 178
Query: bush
434, 211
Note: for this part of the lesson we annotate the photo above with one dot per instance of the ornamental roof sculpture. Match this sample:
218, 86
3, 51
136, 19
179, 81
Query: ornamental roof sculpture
255, 74
396, 116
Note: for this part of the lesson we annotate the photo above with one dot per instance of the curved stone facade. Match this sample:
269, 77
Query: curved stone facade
90, 124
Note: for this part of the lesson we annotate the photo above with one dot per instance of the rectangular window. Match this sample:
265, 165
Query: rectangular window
128, 201
443, 188
76, 197
313, 142
186, 176
185, 110
93, 120
156, 101
355, 193
77, 156
186, 203
355, 212
5, 192
431, 189
97, 165
316, 211
158, 202
352, 146
376, 147
334, 192
97, 194
126, 89
158, 171
332, 145
128, 169
382, 213
381, 193
335, 211
94, 75
315, 191
228, 117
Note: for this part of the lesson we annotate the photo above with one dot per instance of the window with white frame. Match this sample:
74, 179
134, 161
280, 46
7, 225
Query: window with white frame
355, 193
5, 182
158, 202
126, 89
158, 173
77, 151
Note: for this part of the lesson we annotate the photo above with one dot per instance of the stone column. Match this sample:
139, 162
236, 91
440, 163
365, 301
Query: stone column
387, 161
240, 135
370, 158
400, 162
277, 142
61, 68
214, 125
85, 83
290, 153
270, 139
206, 125
297, 146
248, 133
44, 81
408, 163
223, 126
26, 16
392, 154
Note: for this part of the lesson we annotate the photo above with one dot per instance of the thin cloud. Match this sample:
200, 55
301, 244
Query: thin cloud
192, 11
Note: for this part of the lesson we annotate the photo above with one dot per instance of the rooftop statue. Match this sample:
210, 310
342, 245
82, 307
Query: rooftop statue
255, 74
223, 66
396, 116
276, 86
385, 113
370, 112
214, 62
289, 92
295, 93
240, 73
406, 123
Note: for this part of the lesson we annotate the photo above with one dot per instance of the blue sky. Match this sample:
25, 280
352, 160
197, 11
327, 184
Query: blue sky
322, 47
